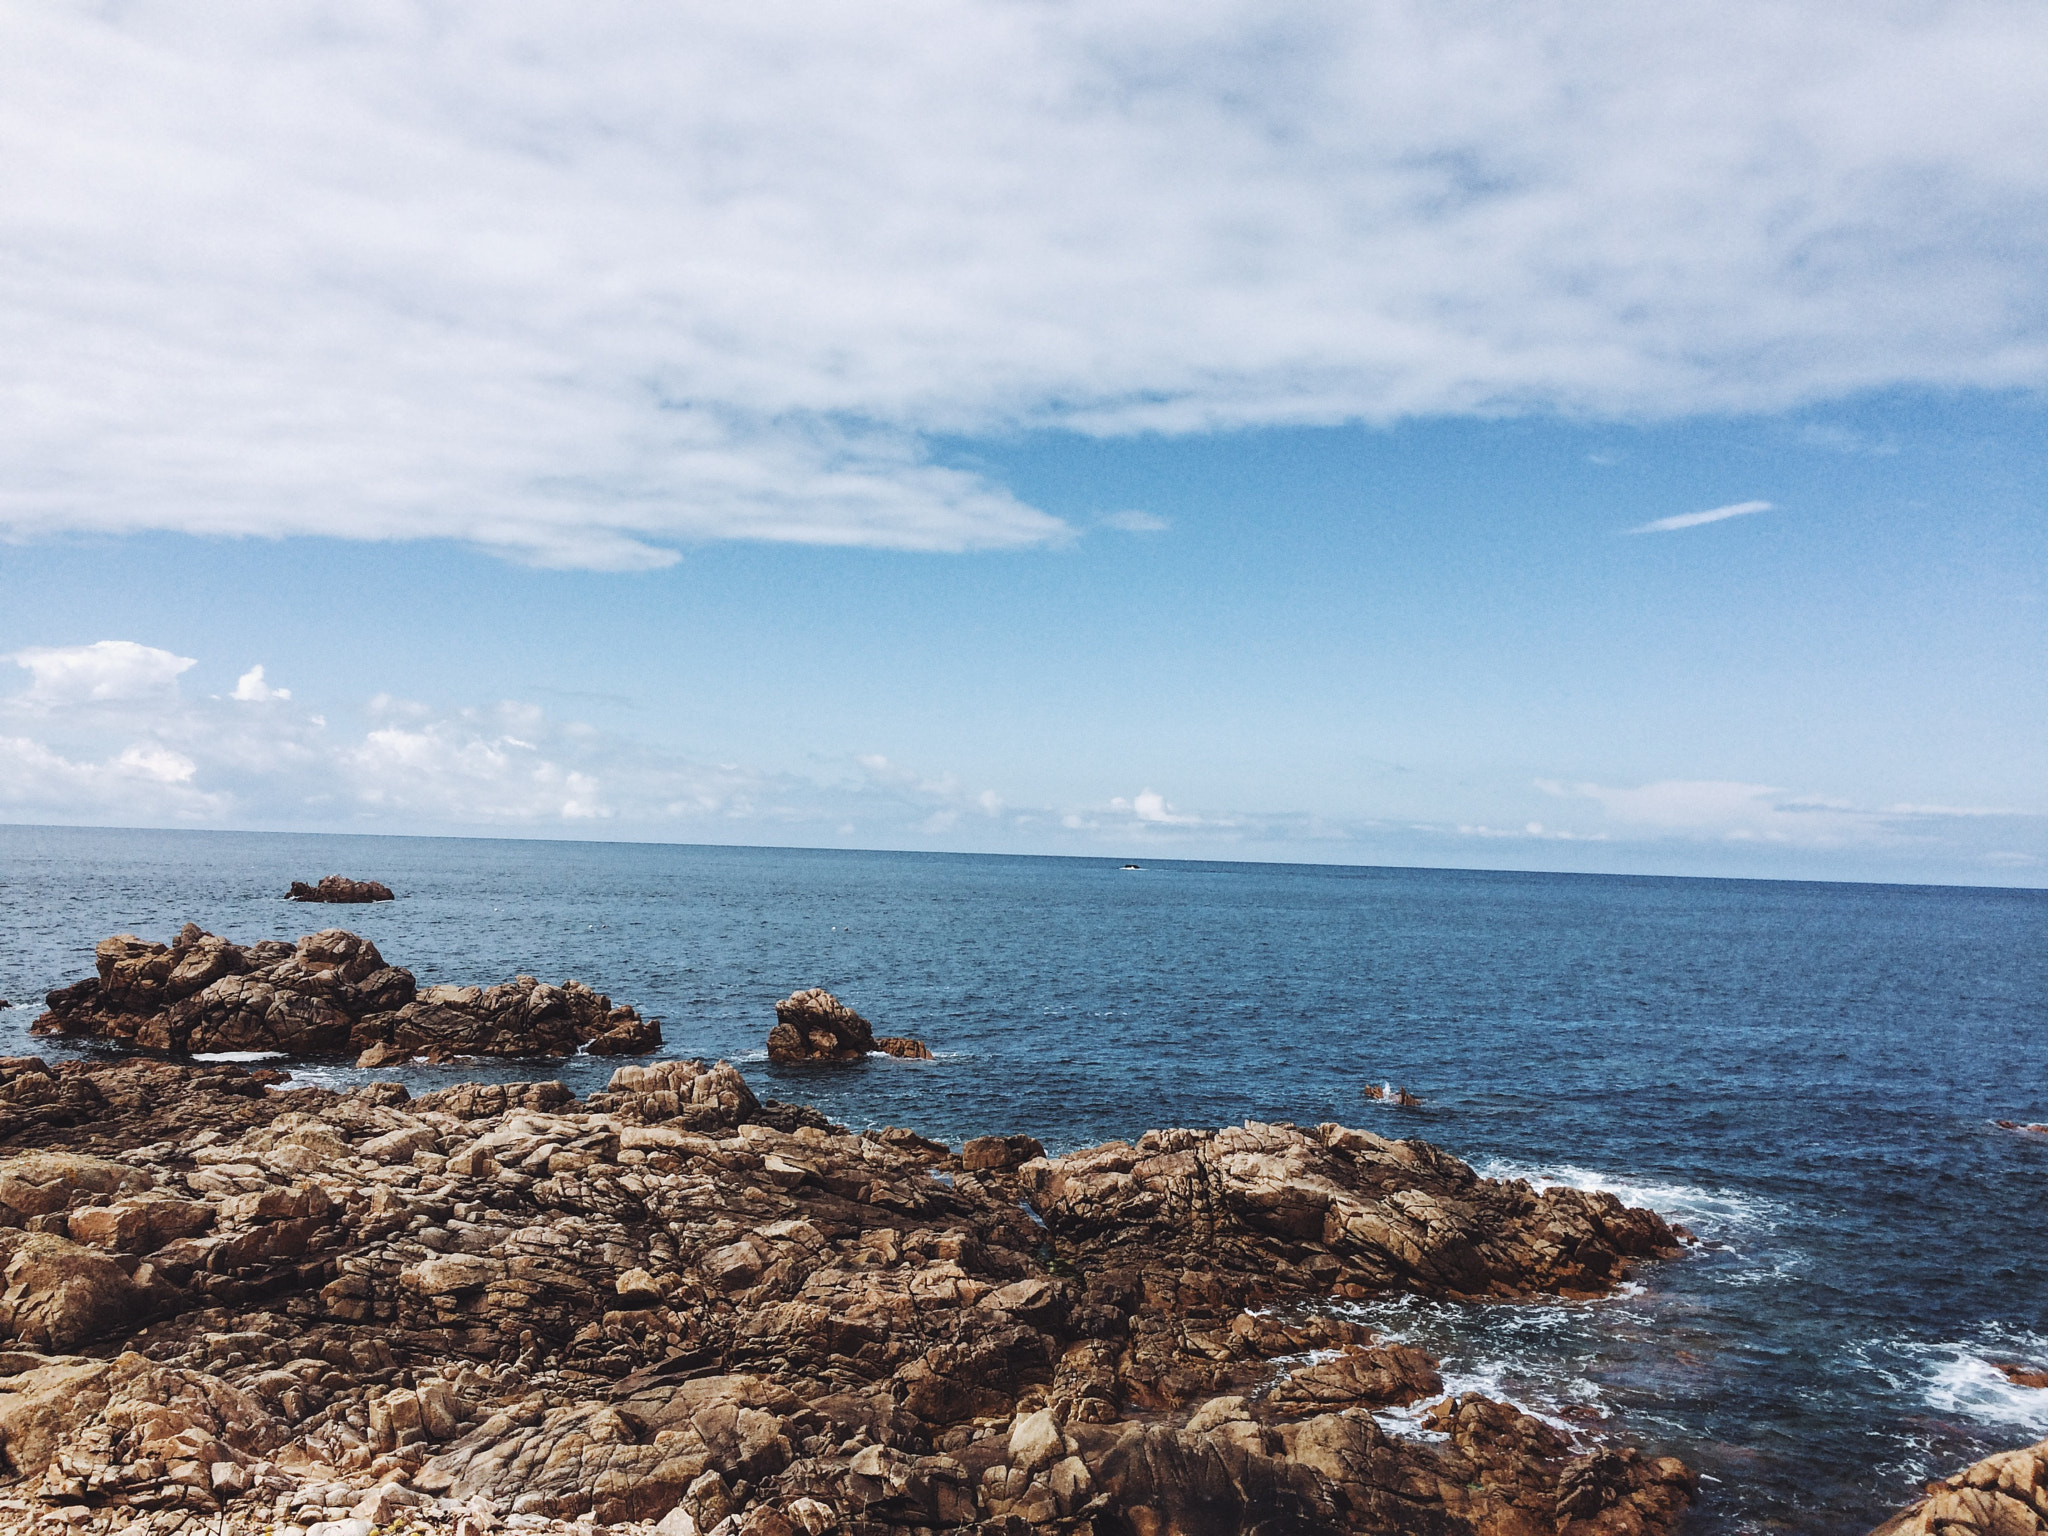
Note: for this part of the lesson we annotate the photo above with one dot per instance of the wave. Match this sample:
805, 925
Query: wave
238, 1056
1962, 1379
1717, 1213
1531, 1355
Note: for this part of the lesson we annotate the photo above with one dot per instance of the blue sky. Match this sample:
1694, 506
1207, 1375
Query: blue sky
1122, 430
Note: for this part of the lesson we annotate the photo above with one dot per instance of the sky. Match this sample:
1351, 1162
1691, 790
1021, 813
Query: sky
1526, 436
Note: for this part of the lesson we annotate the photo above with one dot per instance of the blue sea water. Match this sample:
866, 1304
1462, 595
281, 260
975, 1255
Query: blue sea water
1804, 1074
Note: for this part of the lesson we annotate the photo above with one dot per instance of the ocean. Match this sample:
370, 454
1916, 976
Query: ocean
1806, 1075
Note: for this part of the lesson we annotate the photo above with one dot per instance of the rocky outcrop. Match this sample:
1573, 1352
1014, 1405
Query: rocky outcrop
329, 994
813, 1025
259, 1306
2002, 1495
340, 889
1337, 1211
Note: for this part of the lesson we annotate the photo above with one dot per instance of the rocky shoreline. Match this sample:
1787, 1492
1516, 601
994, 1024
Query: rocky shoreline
233, 1305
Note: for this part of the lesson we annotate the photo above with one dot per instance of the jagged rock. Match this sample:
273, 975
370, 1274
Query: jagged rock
2002, 1495
340, 889
330, 993
1337, 1210
672, 1302
813, 1025
903, 1047
982, 1154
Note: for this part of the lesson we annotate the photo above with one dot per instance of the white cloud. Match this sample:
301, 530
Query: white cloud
1149, 808
583, 287
141, 784
1700, 519
152, 756
106, 671
1730, 811
251, 689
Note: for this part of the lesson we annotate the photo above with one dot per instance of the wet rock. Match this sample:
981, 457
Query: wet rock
340, 889
903, 1047
330, 993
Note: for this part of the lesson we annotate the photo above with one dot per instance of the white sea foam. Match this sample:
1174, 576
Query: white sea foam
1530, 1355
1962, 1379
1710, 1212
238, 1056
1494, 1379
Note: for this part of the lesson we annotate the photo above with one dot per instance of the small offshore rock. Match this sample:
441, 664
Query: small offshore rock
813, 1025
341, 890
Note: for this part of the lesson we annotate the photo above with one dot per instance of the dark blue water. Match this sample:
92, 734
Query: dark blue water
1805, 1074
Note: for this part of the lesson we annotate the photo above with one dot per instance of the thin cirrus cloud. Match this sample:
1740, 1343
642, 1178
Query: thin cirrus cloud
581, 289
1701, 519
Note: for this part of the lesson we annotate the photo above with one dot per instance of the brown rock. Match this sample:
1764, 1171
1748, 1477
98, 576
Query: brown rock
999, 1153
332, 992
59, 1294
813, 1025
2002, 1495
673, 1302
339, 888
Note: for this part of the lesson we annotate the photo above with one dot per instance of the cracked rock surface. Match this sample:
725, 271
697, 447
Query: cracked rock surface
234, 1306
2002, 1495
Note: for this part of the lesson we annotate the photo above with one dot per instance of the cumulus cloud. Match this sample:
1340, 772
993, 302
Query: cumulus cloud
251, 689
107, 671
584, 287
144, 783
1700, 519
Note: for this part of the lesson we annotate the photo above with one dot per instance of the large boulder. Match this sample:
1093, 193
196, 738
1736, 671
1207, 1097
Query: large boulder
813, 1025
56, 1294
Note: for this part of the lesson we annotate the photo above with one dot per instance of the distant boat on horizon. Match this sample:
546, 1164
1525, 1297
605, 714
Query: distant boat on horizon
1134, 866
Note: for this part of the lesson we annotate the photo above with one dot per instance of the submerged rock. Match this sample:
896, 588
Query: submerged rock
673, 1307
813, 1025
340, 889
2002, 1495
331, 993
